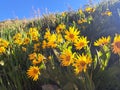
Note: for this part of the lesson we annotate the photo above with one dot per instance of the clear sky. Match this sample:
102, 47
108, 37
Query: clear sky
10, 9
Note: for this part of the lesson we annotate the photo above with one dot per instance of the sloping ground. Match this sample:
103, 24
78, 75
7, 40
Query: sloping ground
101, 26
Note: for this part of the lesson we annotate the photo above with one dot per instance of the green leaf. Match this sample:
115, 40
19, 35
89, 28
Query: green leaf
95, 61
107, 58
99, 53
42, 66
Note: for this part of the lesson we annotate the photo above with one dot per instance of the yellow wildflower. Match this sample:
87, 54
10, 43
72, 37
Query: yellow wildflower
67, 58
47, 34
32, 56
59, 38
72, 34
33, 32
81, 63
44, 44
80, 11
35, 62
49, 57
81, 42
33, 72
26, 41
40, 58
82, 20
34, 36
89, 9
37, 47
102, 41
2, 50
64, 14
116, 44
24, 49
60, 28
3, 43
52, 37
47, 29
107, 13
18, 41
51, 44
17, 36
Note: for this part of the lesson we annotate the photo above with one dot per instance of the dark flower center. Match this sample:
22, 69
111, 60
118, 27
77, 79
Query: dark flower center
71, 36
67, 58
82, 63
35, 71
81, 44
117, 44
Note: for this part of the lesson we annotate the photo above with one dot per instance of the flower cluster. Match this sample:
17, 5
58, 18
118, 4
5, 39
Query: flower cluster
106, 41
63, 44
3, 45
61, 39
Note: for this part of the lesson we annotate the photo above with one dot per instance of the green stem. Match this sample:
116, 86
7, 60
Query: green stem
88, 82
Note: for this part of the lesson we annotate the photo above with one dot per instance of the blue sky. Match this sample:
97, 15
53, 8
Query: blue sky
10, 9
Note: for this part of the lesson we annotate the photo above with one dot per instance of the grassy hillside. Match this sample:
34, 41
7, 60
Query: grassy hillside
74, 50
